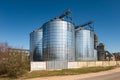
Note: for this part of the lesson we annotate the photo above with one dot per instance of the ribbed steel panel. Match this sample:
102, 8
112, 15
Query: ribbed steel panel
84, 45
58, 41
36, 45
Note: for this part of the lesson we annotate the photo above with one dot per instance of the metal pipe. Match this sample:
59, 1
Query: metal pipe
64, 14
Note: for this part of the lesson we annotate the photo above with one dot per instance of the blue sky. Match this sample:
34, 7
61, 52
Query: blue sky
20, 17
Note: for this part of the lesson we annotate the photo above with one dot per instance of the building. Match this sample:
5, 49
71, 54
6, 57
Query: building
6, 52
59, 44
18, 50
59, 40
25, 53
117, 56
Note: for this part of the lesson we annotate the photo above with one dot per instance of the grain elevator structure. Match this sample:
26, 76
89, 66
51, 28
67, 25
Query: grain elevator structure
60, 41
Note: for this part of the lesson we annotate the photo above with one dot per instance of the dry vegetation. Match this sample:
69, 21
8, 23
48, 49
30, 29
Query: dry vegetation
12, 64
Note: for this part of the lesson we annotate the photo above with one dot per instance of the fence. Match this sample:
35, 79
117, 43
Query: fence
92, 64
68, 65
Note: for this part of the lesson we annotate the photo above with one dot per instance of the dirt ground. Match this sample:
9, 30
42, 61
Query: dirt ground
76, 77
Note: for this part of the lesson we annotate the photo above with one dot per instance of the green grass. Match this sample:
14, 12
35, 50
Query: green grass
35, 74
45, 73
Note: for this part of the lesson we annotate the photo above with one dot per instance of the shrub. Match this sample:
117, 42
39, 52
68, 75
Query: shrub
16, 65
13, 63
3, 69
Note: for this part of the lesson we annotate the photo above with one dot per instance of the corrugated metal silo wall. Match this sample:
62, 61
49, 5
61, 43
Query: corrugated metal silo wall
85, 45
36, 45
58, 43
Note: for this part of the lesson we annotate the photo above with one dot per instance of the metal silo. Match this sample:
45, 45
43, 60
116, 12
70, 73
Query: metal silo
101, 52
58, 40
84, 41
36, 45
